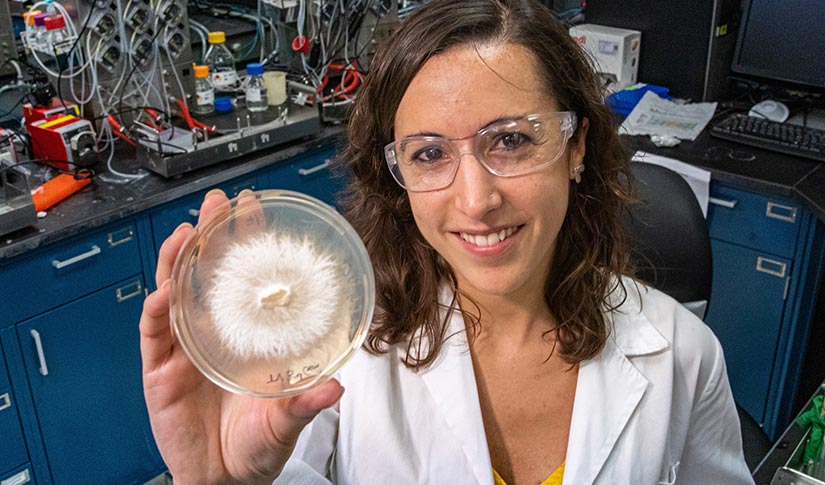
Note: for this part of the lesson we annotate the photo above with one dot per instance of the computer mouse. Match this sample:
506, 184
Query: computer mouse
771, 110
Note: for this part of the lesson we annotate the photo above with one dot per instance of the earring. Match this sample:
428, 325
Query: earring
577, 173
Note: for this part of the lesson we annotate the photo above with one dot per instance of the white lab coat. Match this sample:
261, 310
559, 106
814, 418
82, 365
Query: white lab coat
654, 407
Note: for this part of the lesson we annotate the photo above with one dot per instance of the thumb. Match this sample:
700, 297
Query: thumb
301, 410
307, 405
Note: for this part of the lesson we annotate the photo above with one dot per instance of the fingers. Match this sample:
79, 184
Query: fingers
169, 251
155, 333
211, 202
249, 219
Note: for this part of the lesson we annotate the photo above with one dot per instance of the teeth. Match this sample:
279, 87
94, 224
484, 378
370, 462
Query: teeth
488, 240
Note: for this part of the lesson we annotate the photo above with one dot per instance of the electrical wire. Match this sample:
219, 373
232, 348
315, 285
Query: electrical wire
69, 59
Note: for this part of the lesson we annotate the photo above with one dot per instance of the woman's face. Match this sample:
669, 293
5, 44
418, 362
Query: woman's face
454, 95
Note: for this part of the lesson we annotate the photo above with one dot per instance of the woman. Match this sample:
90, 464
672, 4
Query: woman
506, 344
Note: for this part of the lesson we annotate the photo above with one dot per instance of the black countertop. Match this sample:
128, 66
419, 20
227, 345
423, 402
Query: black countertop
110, 197
749, 168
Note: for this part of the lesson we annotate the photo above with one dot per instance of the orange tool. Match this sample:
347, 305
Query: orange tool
57, 189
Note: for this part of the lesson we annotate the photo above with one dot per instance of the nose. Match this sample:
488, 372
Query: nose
476, 189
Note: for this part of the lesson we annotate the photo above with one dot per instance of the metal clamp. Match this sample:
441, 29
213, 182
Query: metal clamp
787, 213
778, 270
80, 257
317, 168
730, 204
44, 369
5, 402
120, 237
123, 296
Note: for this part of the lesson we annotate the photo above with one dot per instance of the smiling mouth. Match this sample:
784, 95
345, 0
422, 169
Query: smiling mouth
489, 239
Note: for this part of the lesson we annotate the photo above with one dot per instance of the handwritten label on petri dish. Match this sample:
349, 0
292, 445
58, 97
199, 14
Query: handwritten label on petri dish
291, 376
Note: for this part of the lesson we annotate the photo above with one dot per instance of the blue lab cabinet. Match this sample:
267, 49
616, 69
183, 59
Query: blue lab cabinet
767, 252
71, 397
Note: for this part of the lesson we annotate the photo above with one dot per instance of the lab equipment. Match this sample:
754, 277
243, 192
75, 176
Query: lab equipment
272, 295
275, 82
204, 92
255, 89
615, 52
221, 63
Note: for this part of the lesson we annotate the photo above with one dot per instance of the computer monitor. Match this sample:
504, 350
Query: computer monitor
782, 41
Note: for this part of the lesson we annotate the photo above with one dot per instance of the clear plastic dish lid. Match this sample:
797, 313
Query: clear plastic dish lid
273, 294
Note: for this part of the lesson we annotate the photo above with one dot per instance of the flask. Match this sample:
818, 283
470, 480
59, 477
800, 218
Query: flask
256, 92
220, 62
204, 92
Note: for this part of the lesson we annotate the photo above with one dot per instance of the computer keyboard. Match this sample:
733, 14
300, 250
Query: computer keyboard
770, 135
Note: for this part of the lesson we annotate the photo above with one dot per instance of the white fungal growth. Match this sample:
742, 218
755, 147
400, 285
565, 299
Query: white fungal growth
274, 297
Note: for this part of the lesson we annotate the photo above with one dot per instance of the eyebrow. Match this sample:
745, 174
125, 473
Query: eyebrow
490, 123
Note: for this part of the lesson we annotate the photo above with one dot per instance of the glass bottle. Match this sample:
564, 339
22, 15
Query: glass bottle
31, 29
256, 93
39, 42
204, 92
55, 33
221, 63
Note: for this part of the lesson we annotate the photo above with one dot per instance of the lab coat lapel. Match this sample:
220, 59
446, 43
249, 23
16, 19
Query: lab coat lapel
609, 389
452, 385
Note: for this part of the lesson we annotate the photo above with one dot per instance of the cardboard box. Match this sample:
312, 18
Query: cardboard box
615, 52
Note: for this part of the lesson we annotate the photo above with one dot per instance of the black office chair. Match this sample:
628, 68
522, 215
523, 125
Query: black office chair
672, 253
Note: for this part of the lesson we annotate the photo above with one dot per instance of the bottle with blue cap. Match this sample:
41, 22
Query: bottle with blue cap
256, 96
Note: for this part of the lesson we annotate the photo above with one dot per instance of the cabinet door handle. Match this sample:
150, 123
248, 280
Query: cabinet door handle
763, 265
5, 402
80, 257
730, 204
18, 478
317, 168
44, 369
123, 296
120, 237
781, 212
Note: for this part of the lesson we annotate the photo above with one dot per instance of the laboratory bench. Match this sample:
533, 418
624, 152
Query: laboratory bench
71, 403
73, 285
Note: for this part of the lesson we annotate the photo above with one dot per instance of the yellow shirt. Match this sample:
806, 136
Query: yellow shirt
555, 478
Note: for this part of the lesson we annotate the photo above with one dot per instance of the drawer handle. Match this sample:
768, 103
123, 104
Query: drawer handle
5, 402
787, 213
44, 369
730, 204
123, 296
194, 212
18, 478
120, 237
317, 168
80, 257
778, 269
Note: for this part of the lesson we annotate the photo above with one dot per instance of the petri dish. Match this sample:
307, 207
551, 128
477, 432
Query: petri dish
272, 294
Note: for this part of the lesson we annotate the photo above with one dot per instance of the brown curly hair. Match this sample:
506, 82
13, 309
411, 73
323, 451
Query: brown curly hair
592, 247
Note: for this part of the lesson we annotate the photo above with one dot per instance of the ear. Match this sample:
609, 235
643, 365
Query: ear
577, 148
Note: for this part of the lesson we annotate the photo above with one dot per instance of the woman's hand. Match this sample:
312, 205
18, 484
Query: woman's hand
206, 434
